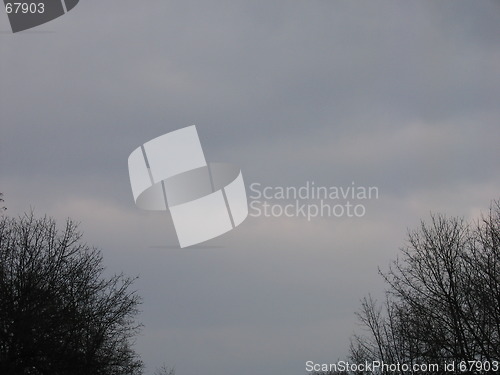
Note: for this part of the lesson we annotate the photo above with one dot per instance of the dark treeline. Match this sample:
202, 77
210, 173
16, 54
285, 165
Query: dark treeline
442, 301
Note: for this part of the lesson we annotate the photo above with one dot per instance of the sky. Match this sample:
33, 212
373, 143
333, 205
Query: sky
398, 95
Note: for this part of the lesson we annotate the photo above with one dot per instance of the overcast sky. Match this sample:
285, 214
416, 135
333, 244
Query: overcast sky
399, 95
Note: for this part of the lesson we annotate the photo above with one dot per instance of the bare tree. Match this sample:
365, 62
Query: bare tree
165, 370
443, 300
59, 314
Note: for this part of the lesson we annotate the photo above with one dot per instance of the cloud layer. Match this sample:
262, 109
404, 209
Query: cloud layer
403, 96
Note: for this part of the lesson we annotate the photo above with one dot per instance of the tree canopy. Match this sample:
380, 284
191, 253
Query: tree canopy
443, 298
59, 312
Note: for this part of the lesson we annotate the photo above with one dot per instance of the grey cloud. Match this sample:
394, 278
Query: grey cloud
398, 95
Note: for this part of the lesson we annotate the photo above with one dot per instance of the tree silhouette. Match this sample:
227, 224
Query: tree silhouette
443, 299
165, 370
59, 314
